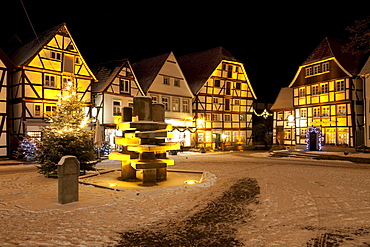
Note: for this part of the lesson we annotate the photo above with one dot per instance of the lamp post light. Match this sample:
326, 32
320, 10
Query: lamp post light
223, 139
291, 120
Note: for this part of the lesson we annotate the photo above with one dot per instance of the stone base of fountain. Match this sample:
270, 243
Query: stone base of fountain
111, 179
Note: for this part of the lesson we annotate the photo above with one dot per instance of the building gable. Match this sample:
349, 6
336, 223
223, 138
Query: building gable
170, 79
326, 62
53, 50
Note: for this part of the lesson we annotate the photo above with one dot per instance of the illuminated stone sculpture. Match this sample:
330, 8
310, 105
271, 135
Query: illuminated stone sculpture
143, 142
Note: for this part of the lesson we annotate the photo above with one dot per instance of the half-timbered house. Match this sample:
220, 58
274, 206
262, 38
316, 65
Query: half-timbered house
283, 118
5, 66
365, 75
115, 89
328, 97
162, 79
44, 66
223, 103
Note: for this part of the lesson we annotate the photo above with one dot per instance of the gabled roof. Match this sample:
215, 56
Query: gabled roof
198, 67
366, 69
8, 63
284, 100
147, 69
105, 73
24, 54
331, 47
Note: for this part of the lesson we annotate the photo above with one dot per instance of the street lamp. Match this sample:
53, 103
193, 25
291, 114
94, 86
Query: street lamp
223, 138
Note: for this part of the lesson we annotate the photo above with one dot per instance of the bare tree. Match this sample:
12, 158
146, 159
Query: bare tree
359, 37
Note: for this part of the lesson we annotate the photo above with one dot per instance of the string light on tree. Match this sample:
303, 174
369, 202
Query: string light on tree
67, 133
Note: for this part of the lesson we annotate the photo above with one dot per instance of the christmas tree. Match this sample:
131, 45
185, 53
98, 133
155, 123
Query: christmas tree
66, 133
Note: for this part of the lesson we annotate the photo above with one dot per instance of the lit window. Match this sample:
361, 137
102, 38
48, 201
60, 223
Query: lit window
37, 112
308, 71
214, 117
325, 67
317, 69
50, 110
116, 108
316, 112
227, 117
324, 88
215, 100
315, 90
288, 134
325, 111
166, 103
303, 113
302, 92
185, 105
236, 102
279, 116
235, 136
341, 110
176, 104
50, 81
340, 86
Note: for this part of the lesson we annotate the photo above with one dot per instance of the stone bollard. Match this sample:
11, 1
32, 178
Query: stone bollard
68, 172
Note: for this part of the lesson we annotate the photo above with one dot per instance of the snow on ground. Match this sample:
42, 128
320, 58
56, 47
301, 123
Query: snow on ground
300, 201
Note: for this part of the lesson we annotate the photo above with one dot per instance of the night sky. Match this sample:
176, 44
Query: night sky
272, 40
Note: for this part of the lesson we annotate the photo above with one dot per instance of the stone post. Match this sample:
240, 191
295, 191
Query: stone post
68, 172
127, 114
158, 112
143, 108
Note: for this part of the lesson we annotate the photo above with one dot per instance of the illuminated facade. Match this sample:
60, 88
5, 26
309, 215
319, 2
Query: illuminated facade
365, 76
43, 67
162, 79
115, 89
222, 107
328, 96
5, 65
283, 120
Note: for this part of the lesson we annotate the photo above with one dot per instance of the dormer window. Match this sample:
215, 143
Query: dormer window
317, 69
